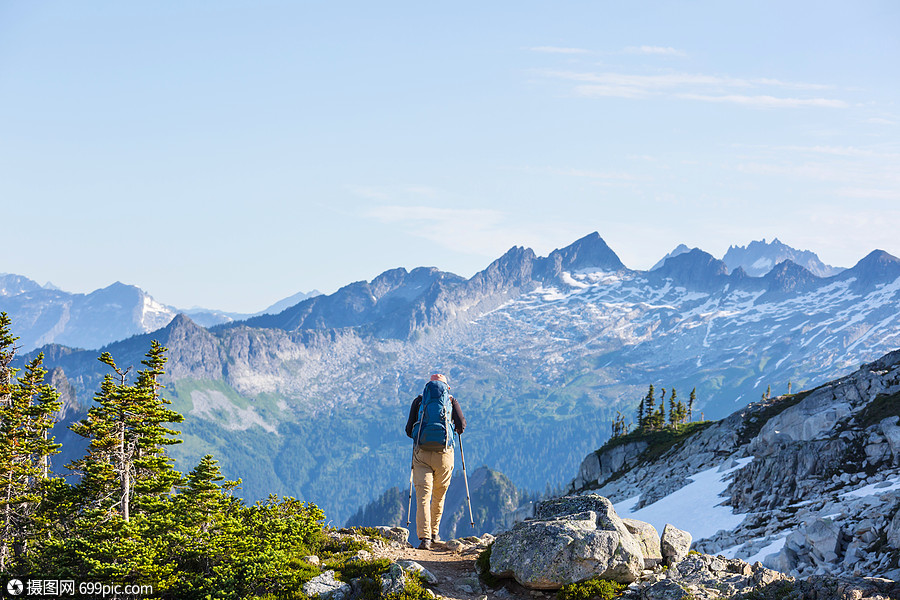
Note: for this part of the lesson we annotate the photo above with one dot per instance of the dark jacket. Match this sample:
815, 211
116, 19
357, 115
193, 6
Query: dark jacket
459, 421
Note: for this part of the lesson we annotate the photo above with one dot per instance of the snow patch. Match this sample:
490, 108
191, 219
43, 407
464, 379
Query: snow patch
873, 489
215, 406
696, 508
762, 263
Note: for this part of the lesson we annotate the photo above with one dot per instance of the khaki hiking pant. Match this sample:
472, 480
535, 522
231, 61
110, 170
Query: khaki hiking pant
432, 470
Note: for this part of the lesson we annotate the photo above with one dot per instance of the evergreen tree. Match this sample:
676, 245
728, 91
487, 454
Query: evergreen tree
649, 408
677, 410
154, 472
691, 400
661, 412
640, 413
126, 459
673, 408
27, 413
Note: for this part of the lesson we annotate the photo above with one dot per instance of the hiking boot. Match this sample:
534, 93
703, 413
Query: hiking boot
425, 545
435, 539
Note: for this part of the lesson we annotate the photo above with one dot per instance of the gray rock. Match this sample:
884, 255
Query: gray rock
524, 511
674, 544
561, 546
893, 531
664, 590
360, 556
648, 539
892, 434
692, 571
607, 518
785, 560
326, 587
596, 468
394, 581
878, 450
824, 538
764, 577
313, 560
394, 534
413, 567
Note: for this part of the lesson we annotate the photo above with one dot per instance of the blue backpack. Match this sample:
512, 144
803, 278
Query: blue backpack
434, 429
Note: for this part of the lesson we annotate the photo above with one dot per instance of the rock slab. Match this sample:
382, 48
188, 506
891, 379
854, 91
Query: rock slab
571, 539
648, 539
675, 544
326, 587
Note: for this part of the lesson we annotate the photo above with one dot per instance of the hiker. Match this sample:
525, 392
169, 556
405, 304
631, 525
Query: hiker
429, 425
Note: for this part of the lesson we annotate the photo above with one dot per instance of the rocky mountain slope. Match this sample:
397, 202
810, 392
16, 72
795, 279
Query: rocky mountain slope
807, 483
541, 351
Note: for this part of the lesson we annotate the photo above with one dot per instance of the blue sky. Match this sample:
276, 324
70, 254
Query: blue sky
228, 154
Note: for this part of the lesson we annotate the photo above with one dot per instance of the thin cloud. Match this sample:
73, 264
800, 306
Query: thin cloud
869, 193
370, 193
655, 51
797, 85
480, 232
474, 231
692, 86
766, 101
851, 151
591, 174
558, 50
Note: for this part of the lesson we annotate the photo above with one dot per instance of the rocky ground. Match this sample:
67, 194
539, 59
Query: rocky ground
452, 573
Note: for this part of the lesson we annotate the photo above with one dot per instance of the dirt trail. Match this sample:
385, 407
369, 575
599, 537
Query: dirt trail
456, 575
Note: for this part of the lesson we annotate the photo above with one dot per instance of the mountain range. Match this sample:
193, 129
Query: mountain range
44, 314
542, 352
760, 257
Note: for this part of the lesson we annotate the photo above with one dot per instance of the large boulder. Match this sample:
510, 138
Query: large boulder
570, 539
675, 544
648, 539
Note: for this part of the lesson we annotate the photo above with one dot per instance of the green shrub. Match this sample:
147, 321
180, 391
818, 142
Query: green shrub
483, 566
880, 408
591, 589
373, 569
370, 532
342, 548
412, 591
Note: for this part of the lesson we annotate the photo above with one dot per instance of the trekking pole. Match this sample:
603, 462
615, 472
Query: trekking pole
409, 506
412, 468
466, 479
